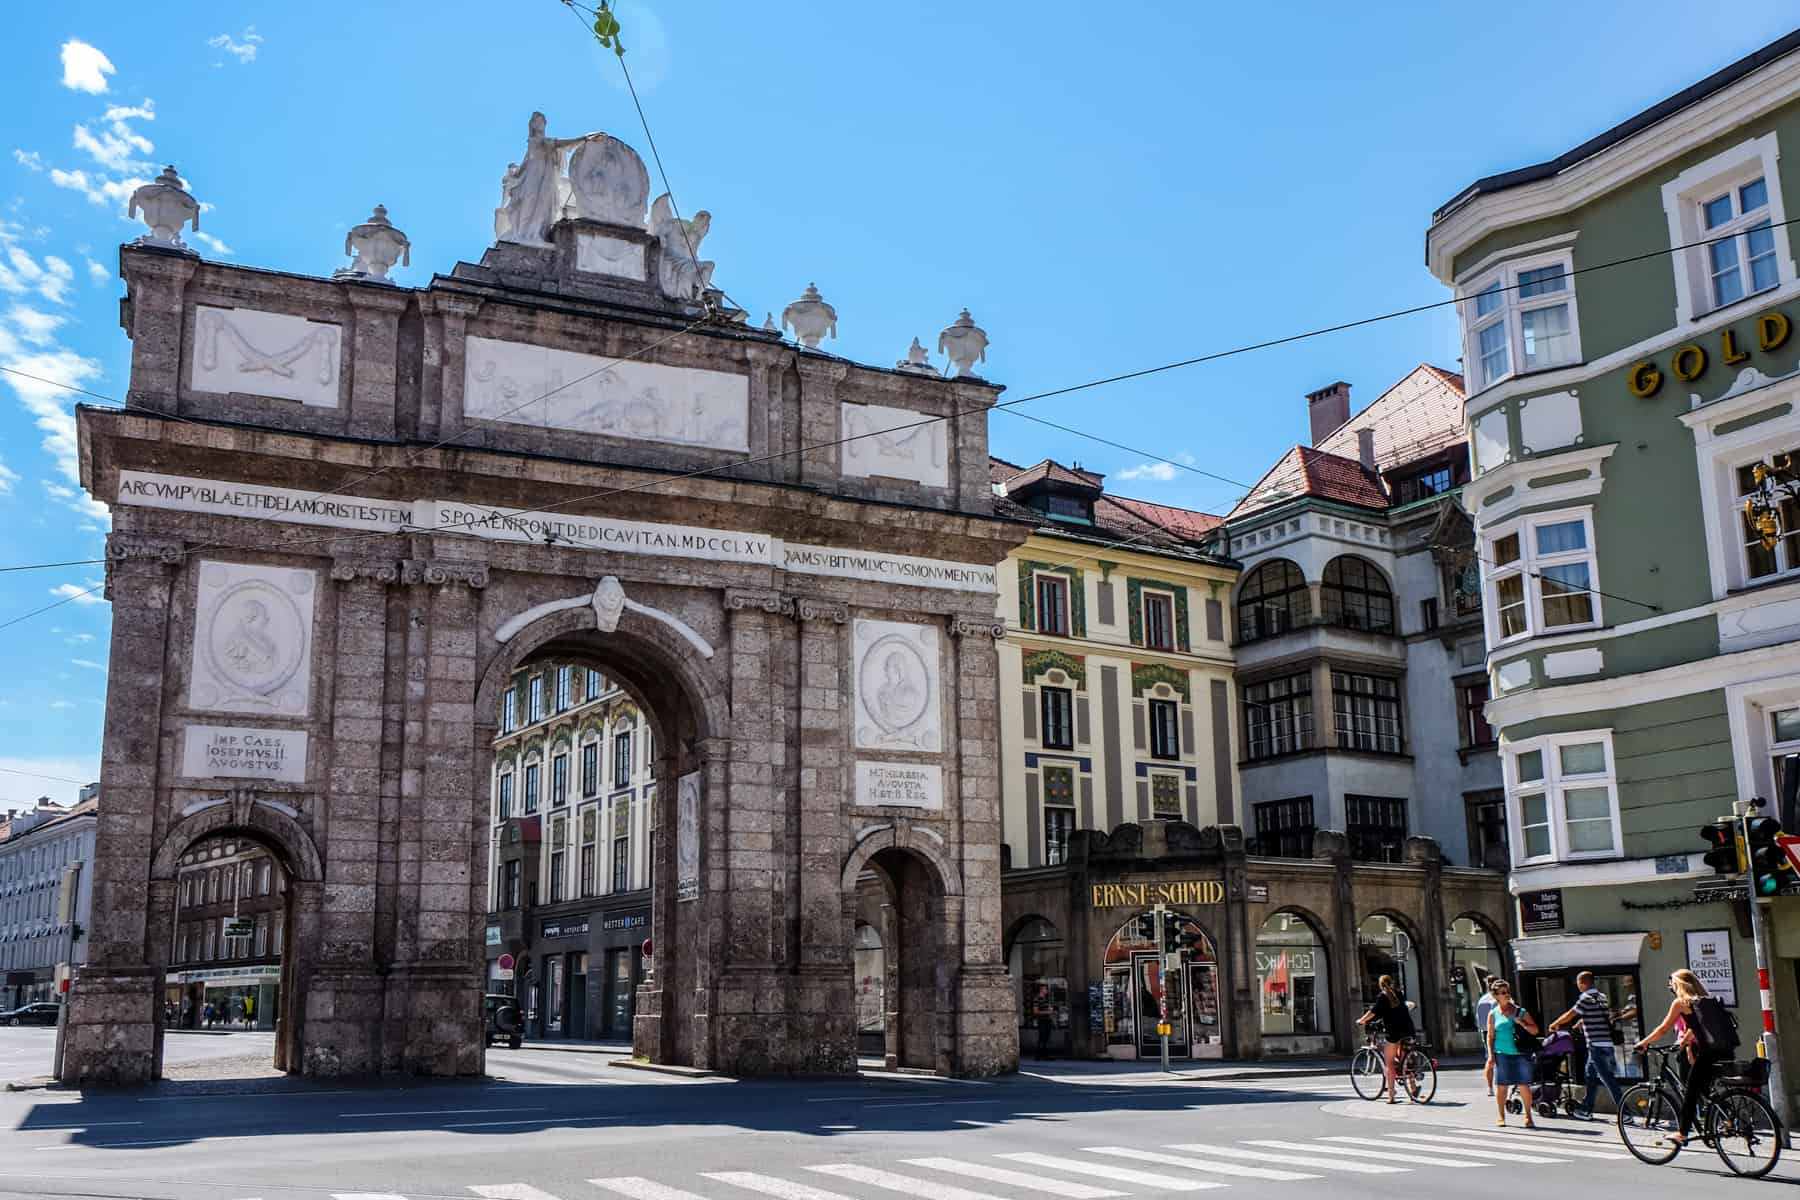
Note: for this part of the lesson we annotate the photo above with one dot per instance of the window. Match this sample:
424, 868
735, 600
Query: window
1159, 620
1273, 600
1365, 712
1059, 813
1471, 713
506, 799
1284, 828
1428, 613
1057, 706
595, 684
1740, 251
590, 769
1165, 733
590, 851
509, 711
1565, 802
1052, 596
531, 789
565, 686
559, 780
1355, 595
1540, 577
621, 759
1486, 811
261, 938
1520, 318
1424, 484
537, 697
1375, 827
559, 848
511, 890
1759, 562
621, 860
1278, 714
1165, 796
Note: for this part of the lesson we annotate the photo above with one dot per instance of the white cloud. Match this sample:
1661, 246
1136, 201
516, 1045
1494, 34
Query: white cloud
108, 193
79, 594
98, 272
8, 477
243, 49
75, 639
1160, 472
21, 273
211, 242
62, 704
84, 68
117, 144
31, 160
32, 325
89, 663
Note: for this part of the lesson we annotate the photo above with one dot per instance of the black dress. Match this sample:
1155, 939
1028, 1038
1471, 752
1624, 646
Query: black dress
1396, 1021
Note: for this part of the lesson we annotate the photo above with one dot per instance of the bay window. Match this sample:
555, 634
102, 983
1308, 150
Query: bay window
1539, 574
1520, 318
1278, 715
1564, 800
1366, 712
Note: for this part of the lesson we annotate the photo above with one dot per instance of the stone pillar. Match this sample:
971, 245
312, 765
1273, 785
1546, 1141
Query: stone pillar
819, 419
1345, 952
1237, 956
1435, 997
447, 317
115, 1012
154, 317
986, 1034
374, 358
972, 484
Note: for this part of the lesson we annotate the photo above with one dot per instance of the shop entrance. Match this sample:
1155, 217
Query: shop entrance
1136, 979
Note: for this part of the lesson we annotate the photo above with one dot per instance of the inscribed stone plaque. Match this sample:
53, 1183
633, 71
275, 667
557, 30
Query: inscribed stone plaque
252, 647
687, 836
265, 354
604, 255
902, 785
896, 442
896, 685
237, 752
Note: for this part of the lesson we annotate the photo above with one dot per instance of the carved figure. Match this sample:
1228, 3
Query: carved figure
608, 182
248, 648
532, 193
964, 343
166, 206
683, 274
810, 317
898, 698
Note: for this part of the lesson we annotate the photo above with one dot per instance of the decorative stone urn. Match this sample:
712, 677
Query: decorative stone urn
964, 343
166, 206
374, 247
810, 317
917, 360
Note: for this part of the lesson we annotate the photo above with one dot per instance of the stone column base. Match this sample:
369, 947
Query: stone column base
342, 1031
112, 1034
764, 1022
987, 1024
435, 1018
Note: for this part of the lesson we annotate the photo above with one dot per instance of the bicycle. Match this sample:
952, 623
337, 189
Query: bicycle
1732, 1117
1416, 1071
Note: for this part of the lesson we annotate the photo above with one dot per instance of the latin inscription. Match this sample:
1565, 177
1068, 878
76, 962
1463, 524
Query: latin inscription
235, 752
899, 785
1143, 895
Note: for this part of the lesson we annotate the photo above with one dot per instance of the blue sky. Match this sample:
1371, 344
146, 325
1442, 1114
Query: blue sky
1104, 188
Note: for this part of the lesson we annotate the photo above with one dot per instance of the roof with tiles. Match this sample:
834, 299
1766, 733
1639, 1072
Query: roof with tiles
1145, 526
1305, 471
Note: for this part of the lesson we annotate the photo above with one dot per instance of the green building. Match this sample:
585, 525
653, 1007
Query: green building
1631, 323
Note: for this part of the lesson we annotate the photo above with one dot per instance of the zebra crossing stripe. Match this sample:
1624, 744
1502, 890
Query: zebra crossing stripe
1532, 1145
768, 1185
510, 1191
1380, 1155
1557, 1143
1196, 1164
1292, 1160
365, 1196
906, 1185
1491, 1153
639, 1188
1021, 1179
1075, 1166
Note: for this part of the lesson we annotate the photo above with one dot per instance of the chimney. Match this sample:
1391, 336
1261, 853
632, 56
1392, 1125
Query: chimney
1365, 447
1329, 407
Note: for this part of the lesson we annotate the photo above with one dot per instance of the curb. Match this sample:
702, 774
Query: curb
38, 1083
632, 1064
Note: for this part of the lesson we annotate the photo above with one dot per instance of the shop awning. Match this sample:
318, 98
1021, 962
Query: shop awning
1562, 951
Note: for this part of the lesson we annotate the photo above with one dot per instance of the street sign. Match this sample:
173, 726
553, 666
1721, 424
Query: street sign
1790, 845
239, 927
505, 962
503, 974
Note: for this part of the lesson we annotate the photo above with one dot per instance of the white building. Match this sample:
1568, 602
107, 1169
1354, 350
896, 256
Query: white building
32, 863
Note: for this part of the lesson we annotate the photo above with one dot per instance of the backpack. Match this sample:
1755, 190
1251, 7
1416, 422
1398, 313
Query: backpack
1715, 1028
1525, 1041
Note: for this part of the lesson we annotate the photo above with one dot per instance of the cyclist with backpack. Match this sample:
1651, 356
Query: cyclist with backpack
1706, 1029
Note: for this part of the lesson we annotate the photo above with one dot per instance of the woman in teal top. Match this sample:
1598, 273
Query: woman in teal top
1511, 1068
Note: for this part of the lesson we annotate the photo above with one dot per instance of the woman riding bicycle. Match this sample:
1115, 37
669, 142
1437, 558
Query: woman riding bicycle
1390, 1016
1702, 1065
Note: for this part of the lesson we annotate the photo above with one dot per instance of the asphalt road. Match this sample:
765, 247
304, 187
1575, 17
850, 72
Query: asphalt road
553, 1125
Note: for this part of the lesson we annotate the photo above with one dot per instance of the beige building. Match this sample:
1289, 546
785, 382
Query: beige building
1115, 674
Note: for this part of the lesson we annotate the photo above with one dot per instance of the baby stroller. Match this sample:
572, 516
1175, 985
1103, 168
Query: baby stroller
1552, 1079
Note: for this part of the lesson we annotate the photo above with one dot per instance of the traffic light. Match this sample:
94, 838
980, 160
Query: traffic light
1146, 927
1722, 836
1769, 867
1191, 938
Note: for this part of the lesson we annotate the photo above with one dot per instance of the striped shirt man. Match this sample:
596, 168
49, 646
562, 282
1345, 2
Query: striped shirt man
1595, 1015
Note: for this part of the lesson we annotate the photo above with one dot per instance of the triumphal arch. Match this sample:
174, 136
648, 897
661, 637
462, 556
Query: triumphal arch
345, 511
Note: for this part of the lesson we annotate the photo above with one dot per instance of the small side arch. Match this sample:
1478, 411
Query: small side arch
249, 816
902, 835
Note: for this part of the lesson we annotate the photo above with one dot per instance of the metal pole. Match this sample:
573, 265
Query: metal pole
67, 907
1162, 965
1777, 1092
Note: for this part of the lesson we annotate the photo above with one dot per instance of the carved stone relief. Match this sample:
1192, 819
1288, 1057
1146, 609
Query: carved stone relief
895, 442
603, 254
897, 682
524, 384
265, 354
252, 639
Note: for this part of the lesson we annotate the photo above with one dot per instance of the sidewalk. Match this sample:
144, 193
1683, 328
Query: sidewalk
574, 1046
1218, 1071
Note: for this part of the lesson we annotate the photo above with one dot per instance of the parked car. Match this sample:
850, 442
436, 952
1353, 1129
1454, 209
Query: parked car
503, 1021
41, 1013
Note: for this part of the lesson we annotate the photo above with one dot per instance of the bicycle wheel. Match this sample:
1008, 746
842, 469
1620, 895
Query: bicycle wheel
1745, 1133
1366, 1075
1648, 1118
1421, 1076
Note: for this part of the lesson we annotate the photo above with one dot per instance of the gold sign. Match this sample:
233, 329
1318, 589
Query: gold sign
1689, 362
1143, 895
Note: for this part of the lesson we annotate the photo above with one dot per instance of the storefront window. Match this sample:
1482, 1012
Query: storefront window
1473, 961
1292, 978
1385, 948
1040, 973
1135, 985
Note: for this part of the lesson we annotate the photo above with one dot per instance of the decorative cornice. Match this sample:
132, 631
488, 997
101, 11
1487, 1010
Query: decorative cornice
808, 608
126, 547
439, 573
770, 602
961, 626
343, 570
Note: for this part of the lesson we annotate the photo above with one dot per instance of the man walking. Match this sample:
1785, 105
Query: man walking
1595, 1014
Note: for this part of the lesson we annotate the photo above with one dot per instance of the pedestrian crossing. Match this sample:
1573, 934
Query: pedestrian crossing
1097, 1172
